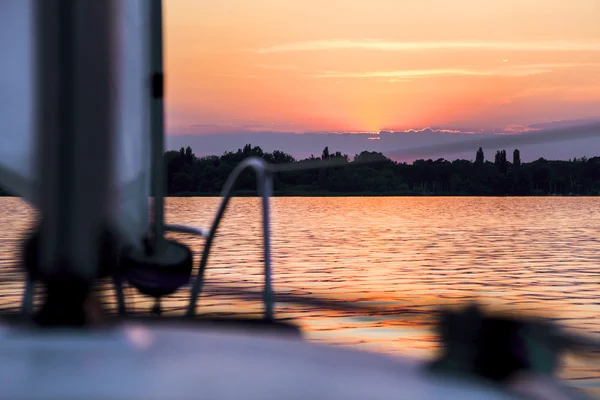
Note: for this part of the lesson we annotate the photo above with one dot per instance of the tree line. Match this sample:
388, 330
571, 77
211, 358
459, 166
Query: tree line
204, 176
188, 175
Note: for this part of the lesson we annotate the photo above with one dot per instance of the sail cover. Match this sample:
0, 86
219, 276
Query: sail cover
16, 97
17, 109
133, 116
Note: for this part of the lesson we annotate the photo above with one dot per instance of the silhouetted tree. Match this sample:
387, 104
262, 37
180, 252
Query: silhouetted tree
380, 175
370, 156
501, 161
479, 157
516, 158
325, 154
189, 155
247, 150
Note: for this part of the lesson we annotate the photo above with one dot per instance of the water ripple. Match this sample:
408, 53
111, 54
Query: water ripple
538, 256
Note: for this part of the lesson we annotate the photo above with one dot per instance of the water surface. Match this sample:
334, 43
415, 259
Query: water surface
533, 255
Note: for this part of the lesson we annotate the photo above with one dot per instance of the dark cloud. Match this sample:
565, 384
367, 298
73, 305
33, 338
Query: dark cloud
303, 145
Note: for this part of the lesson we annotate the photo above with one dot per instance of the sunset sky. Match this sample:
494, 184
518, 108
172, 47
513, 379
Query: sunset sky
350, 65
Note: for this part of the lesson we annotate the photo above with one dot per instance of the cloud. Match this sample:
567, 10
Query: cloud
429, 129
555, 65
370, 44
447, 145
516, 128
237, 76
278, 67
220, 128
397, 80
399, 75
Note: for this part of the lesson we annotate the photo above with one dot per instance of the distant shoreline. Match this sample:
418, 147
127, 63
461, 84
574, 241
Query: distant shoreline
374, 175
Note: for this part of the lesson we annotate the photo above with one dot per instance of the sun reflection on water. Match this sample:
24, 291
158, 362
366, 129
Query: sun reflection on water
537, 256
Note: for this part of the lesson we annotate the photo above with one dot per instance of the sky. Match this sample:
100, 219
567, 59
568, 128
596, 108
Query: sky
242, 66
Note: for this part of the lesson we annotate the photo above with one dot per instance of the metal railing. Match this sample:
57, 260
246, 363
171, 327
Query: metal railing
264, 176
264, 179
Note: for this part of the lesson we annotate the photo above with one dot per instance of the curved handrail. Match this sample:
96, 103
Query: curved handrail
185, 229
265, 186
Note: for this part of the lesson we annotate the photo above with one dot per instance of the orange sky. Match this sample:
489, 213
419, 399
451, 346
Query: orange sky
350, 65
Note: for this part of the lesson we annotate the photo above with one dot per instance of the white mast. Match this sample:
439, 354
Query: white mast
157, 121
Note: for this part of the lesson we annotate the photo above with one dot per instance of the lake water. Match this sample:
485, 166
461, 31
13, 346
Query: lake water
539, 256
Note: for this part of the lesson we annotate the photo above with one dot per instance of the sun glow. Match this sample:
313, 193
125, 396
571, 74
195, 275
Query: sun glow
334, 65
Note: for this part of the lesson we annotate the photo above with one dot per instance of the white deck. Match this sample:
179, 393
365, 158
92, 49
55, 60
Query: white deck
160, 363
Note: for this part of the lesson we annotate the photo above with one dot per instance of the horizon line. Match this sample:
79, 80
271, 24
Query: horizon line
510, 129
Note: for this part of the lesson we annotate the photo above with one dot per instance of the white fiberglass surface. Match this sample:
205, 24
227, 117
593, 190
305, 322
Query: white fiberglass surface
162, 363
